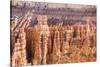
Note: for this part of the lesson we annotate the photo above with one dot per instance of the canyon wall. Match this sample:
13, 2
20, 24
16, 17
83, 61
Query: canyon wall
51, 44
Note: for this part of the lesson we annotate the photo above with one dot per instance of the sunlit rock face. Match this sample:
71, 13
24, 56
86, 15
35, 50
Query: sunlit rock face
43, 30
54, 36
19, 51
54, 44
42, 25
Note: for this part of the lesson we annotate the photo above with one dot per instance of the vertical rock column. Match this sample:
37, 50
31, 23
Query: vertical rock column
22, 37
56, 48
16, 57
13, 41
45, 32
82, 31
94, 36
50, 45
44, 49
66, 43
88, 31
42, 40
78, 32
61, 38
36, 47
